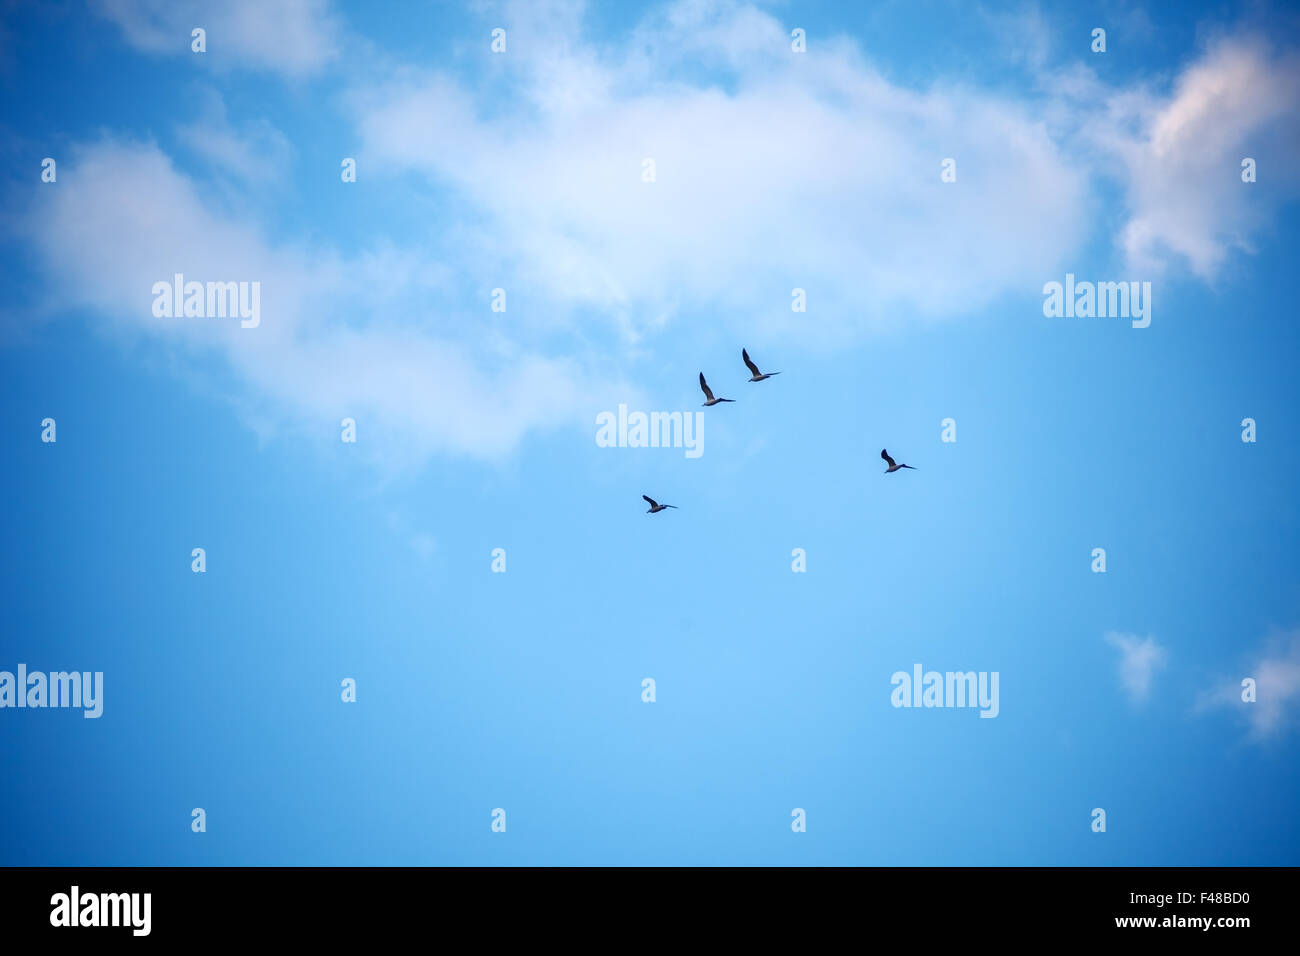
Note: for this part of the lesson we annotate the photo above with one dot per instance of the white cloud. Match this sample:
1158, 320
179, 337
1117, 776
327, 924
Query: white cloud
1276, 671
331, 343
1139, 659
294, 37
809, 171
1178, 155
1186, 186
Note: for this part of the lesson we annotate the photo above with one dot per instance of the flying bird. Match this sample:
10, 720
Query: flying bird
893, 465
758, 376
709, 394
655, 507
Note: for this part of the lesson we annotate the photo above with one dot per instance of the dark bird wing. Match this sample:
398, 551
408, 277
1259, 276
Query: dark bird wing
653, 503
885, 455
752, 367
705, 385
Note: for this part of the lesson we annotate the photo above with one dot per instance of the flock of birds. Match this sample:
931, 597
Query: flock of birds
755, 376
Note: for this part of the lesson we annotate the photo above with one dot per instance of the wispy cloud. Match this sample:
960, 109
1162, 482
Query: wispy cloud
332, 342
255, 154
294, 37
1139, 659
1275, 668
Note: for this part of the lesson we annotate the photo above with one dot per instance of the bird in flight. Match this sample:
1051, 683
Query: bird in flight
709, 394
893, 465
758, 376
655, 507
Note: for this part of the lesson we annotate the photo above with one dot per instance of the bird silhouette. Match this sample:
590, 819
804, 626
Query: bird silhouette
709, 394
758, 376
655, 507
893, 465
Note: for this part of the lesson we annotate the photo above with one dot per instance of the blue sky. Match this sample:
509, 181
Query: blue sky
524, 171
